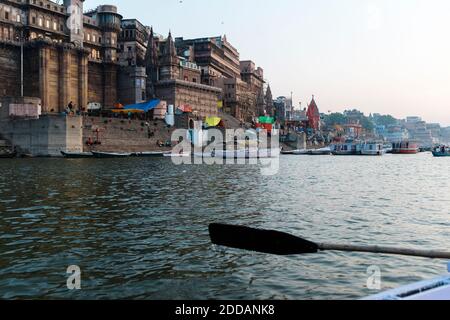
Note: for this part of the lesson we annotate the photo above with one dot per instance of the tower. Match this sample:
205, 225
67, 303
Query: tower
151, 64
169, 62
75, 21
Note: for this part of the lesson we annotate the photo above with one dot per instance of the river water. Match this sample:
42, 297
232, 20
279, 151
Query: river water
138, 228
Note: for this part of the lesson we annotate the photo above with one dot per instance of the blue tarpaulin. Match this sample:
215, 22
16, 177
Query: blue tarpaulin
146, 106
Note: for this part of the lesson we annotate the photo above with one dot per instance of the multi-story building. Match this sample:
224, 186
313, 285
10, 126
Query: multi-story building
216, 57
177, 79
133, 40
239, 100
255, 78
68, 56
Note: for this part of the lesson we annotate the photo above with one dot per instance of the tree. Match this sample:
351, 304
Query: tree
386, 120
335, 119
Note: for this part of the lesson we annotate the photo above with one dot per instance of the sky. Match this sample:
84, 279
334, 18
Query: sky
378, 56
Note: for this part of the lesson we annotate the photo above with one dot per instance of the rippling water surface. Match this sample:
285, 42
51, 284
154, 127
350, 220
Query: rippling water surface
138, 228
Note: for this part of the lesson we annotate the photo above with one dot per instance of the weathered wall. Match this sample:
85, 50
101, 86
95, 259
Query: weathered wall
117, 135
201, 98
10, 70
47, 136
95, 81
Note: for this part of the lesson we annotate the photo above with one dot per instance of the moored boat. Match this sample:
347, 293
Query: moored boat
300, 152
105, 155
372, 149
151, 154
405, 147
441, 151
320, 152
77, 155
177, 155
346, 149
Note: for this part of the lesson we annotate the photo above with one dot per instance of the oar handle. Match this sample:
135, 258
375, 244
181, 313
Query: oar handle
385, 250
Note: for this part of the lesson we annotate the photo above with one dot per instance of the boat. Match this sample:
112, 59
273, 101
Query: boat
77, 155
177, 155
105, 155
388, 148
346, 149
151, 154
405, 147
432, 290
301, 152
289, 153
320, 152
372, 149
441, 151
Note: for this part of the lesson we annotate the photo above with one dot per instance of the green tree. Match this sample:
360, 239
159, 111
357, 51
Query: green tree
386, 120
335, 119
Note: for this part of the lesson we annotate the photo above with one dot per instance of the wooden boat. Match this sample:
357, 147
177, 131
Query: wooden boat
288, 153
77, 155
105, 155
320, 152
301, 152
436, 289
156, 154
372, 149
405, 147
441, 151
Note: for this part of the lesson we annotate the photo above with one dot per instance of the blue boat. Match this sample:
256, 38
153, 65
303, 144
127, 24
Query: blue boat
441, 151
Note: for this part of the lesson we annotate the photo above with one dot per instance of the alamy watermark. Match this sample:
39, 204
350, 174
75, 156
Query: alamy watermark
74, 279
228, 147
374, 278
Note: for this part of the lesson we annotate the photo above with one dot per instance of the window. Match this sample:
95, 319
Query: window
41, 22
33, 20
88, 37
18, 19
6, 15
55, 26
94, 38
47, 24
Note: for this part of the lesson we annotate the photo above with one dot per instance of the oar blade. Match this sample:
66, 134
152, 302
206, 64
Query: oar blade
257, 240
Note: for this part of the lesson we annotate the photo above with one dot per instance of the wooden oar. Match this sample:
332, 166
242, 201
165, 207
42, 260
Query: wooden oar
280, 243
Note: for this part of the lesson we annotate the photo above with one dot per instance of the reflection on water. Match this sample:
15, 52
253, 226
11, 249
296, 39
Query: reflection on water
138, 227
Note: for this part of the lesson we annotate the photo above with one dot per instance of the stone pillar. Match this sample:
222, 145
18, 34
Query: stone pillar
64, 78
44, 56
83, 79
110, 85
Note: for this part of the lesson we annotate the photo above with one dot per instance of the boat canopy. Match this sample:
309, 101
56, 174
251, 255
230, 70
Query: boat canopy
213, 121
143, 107
266, 120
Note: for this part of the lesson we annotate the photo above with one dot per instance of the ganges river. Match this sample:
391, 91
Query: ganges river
138, 228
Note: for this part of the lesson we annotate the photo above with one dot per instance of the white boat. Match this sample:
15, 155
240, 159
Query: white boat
346, 149
177, 155
300, 152
151, 154
435, 290
372, 149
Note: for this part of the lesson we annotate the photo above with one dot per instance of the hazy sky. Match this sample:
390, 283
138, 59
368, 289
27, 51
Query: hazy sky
385, 56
